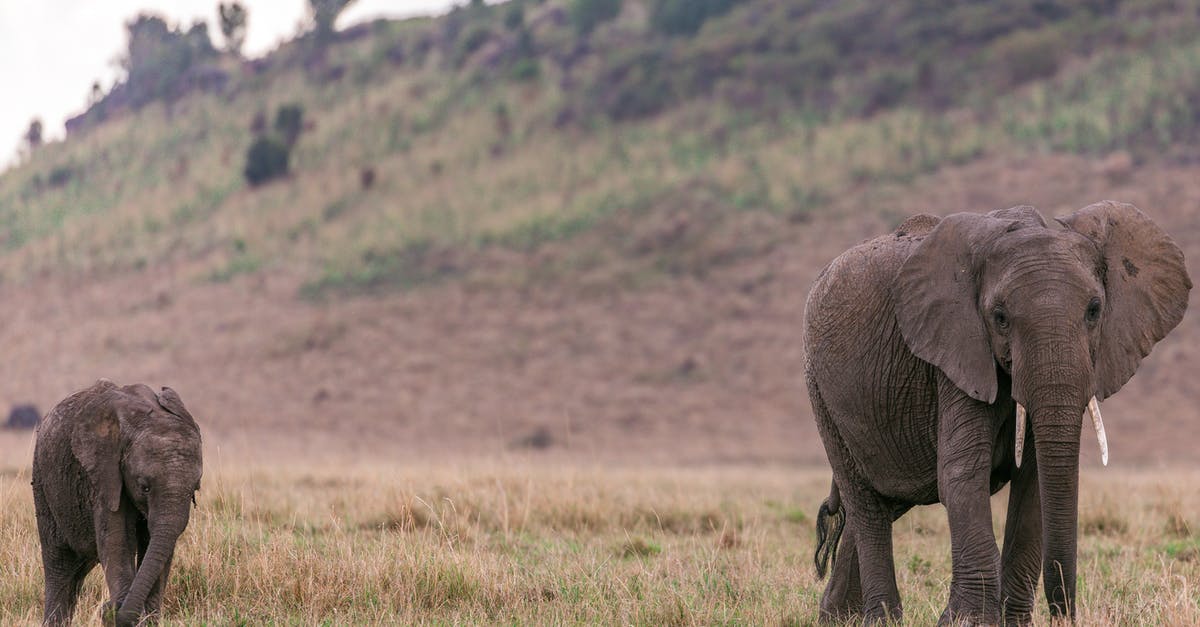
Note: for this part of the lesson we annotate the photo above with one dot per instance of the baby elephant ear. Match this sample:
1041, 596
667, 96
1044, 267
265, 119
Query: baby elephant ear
936, 292
169, 400
1146, 286
96, 443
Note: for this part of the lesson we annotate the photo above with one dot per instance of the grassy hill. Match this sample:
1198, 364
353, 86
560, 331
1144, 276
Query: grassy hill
664, 186
773, 107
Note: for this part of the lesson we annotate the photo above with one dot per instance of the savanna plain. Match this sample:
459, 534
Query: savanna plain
511, 541
517, 337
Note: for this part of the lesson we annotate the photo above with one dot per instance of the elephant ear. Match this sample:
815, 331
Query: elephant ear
936, 292
96, 443
1145, 281
169, 400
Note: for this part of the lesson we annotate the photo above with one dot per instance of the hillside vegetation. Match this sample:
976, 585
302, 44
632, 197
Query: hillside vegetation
480, 245
458, 147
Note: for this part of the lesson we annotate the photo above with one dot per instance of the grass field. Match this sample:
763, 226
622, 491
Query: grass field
509, 542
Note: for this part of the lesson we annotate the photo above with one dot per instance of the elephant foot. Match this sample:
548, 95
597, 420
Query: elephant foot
880, 615
108, 611
960, 618
128, 618
840, 616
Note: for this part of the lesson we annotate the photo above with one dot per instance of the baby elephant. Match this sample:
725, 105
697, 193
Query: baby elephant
115, 471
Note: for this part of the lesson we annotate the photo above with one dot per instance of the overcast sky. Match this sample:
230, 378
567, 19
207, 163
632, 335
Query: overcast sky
52, 50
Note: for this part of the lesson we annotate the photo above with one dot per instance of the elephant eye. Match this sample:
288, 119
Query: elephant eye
1001, 317
1093, 311
145, 488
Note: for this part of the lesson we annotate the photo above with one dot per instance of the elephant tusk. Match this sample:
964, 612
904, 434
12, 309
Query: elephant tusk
1020, 432
1098, 422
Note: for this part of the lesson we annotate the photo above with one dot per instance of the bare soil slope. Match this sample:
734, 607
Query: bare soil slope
687, 370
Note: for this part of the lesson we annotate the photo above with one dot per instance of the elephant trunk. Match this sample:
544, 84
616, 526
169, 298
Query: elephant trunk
1056, 436
1053, 376
163, 536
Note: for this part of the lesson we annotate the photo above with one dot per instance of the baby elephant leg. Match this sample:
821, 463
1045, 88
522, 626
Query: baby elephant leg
64, 572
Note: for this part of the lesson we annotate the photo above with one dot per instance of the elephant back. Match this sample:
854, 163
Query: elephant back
920, 224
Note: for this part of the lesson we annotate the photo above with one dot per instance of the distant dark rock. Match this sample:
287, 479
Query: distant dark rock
539, 439
23, 417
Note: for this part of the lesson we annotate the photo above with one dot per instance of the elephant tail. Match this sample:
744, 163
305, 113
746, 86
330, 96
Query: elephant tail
831, 520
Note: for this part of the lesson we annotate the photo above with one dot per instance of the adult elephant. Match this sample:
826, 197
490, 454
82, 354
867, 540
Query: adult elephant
956, 355
115, 471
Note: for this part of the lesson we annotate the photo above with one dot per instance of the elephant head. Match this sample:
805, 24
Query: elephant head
1062, 311
142, 449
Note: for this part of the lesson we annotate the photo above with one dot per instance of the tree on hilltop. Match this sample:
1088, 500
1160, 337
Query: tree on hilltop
324, 13
233, 25
158, 55
33, 136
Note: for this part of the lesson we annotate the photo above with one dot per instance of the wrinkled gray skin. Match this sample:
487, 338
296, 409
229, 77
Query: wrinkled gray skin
115, 471
919, 344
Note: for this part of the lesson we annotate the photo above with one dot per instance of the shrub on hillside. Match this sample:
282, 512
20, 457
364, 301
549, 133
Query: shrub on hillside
266, 159
635, 85
514, 17
289, 123
685, 17
472, 39
1028, 55
60, 176
586, 15
525, 70
884, 90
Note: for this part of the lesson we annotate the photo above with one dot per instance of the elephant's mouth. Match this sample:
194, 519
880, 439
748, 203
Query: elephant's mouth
1093, 408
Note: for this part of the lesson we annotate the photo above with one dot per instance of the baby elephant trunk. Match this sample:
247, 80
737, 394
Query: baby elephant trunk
163, 537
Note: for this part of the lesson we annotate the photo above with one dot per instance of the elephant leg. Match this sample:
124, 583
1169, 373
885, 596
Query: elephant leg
64, 572
871, 521
116, 540
965, 443
868, 524
1021, 560
842, 599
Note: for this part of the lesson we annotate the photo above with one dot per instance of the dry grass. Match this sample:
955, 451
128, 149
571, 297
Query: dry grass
513, 543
